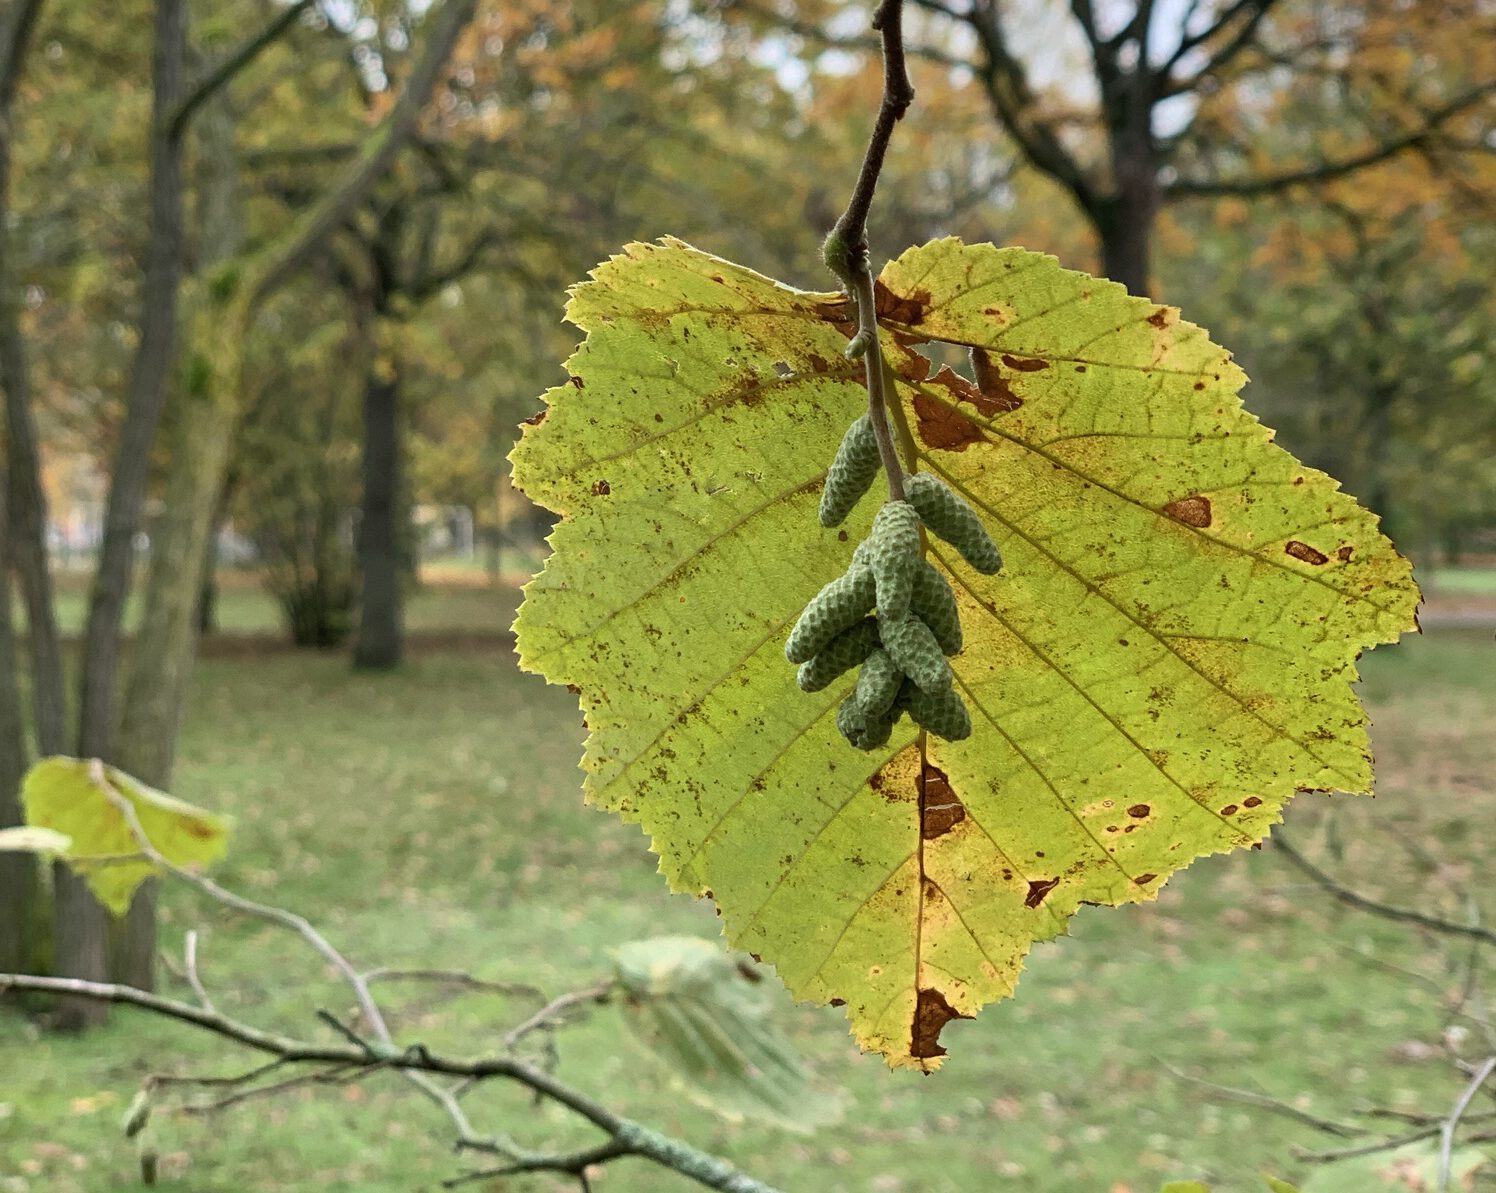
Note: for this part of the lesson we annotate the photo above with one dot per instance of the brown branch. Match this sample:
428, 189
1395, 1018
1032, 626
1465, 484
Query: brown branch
846, 249
1386, 911
1329, 171
1012, 98
221, 74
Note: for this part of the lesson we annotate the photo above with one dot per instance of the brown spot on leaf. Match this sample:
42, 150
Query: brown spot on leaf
943, 428
1344, 554
939, 808
837, 1002
1230, 810
893, 308
1139, 811
1024, 364
577, 382
931, 1014
536, 419
1252, 802
1159, 318
1304, 552
1039, 889
1144, 879
601, 488
1192, 511
196, 828
996, 396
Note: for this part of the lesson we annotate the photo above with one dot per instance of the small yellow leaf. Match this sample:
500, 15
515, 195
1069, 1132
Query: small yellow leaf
65, 796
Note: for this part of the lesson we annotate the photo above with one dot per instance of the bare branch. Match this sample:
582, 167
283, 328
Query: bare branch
1012, 98
1387, 911
1329, 171
220, 75
1451, 1124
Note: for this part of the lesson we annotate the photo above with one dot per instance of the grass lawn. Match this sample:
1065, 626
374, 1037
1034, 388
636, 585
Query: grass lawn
433, 817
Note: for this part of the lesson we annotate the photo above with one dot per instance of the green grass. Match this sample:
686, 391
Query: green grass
433, 817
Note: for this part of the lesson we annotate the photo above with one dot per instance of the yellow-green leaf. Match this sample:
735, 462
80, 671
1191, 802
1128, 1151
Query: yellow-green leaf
1165, 659
64, 795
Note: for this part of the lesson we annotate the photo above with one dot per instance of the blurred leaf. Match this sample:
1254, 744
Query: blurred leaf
1278, 1186
706, 1016
60, 794
1185, 1187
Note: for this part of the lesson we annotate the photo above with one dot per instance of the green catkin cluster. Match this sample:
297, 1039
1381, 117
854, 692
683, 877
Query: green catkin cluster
946, 515
892, 613
851, 474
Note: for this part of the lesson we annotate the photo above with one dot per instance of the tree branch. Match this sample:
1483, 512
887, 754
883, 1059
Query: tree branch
846, 248
372, 160
220, 75
1387, 911
1012, 98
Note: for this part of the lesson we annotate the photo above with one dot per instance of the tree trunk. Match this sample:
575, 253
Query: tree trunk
1126, 232
17, 870
380, 624
146, 399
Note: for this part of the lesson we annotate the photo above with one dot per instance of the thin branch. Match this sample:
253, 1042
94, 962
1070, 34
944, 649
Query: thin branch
232, 65
1329, 171
189, 959
1249, 1097
1451, 1124
1387, 911
846, 248
555, 1011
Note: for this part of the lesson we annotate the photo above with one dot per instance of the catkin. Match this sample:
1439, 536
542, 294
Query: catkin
877, 684
851, 473
893, 553
935, 604
839, 655
911, 645
942, 713
944, 513
863, 732
838, 606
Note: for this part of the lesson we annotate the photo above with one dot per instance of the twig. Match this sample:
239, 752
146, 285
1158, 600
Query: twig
1387, 911
189, 960
1451, 1124
232, 65
1268, 1102
846, 250
555, 1010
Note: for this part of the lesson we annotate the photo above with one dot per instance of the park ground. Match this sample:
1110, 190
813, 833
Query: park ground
433, 817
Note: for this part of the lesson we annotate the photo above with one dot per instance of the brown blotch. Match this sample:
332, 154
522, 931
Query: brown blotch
895, 308
1159, 318
196, 828
837, 1002
996, 396
931, 1014
1144, 879
1024, 364
536, 419
1230, 810
1139, 811
578, 382
942, 428
1304, 552
1192, 511
818, 363
1039, 889
1344, 554
601, 488
939, 808
1252, 802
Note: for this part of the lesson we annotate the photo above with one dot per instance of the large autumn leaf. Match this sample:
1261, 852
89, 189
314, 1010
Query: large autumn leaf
1165, 659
